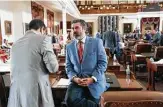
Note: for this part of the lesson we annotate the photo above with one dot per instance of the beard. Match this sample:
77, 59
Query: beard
78, 35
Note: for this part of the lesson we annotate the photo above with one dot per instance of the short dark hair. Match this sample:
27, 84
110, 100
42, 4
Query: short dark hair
36, 24
81, 21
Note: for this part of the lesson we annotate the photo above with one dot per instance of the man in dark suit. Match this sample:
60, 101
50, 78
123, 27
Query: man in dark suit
109, 40
161, 39
54, 39
98, 34
156, 38
148, 36
86, 63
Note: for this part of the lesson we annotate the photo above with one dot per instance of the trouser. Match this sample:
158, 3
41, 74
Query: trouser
78, 96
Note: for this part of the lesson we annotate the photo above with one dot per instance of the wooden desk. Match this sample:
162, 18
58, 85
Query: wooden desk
112, 80
61, 58
152, 68
148, 55
118, 83
113, 66
62, 66
133, 86
59, 92
127, 54
4, 68
137, 59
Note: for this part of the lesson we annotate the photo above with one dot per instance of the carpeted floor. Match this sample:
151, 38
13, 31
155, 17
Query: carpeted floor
158, 85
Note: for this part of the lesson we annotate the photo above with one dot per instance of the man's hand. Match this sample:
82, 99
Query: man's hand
77, 80
86, 82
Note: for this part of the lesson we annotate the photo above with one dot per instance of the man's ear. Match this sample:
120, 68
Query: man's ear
38, 30
42, 30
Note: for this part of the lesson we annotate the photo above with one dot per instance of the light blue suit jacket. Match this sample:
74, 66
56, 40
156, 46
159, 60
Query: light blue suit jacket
94, 63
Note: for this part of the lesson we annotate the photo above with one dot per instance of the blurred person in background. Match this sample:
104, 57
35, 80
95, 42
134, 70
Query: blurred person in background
161, 39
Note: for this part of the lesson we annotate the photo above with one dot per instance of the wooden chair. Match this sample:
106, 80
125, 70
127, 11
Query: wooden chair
131, 43
140, 62
3, 96
149, 69
143, 48
133, 60
107, 52
158, 53
139, 66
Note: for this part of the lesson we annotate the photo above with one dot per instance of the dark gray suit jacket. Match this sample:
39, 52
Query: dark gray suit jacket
109, 40
161, 40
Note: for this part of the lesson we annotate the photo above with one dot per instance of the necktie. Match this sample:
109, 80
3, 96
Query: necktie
80, 50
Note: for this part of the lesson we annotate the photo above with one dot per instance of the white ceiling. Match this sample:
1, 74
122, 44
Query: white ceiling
72, 10
57, 5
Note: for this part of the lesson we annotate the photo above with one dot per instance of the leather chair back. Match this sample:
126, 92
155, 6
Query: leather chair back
135, 104
132, 99
143, 47
158, 54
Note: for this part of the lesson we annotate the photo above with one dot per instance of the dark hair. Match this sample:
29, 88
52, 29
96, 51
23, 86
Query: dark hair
82, 22
115, 29
36, 24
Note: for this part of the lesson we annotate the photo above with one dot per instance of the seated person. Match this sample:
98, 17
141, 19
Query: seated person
85, 68
98, 35
161, 39
5, 45
156, 38
148, 36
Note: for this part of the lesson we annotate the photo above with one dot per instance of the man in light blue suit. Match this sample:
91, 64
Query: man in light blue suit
86, 63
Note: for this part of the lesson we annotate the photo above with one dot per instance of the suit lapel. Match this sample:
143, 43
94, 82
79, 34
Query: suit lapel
76, 51
86, 48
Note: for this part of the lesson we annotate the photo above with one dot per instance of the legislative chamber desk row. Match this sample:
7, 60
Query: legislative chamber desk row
115, 76
117, 83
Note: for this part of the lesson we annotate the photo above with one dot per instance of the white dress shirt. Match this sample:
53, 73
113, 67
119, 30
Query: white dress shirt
83, 44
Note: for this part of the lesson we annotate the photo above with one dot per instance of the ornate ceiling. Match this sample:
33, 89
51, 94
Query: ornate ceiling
115, 6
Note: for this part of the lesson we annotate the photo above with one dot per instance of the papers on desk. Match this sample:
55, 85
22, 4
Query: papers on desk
121, 45
138, 55
56, 46
115, 63
5, 68
158, 62
63, 82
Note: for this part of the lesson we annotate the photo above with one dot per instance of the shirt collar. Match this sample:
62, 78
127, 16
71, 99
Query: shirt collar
83, 40
38, 33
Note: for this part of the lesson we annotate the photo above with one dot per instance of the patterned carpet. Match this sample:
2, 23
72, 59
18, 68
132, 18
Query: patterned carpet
159, 84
